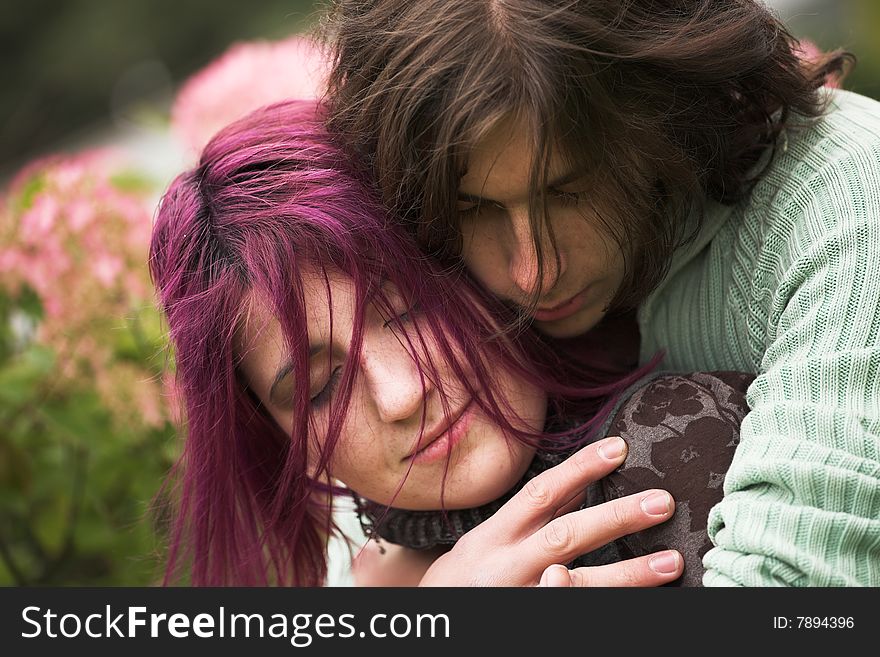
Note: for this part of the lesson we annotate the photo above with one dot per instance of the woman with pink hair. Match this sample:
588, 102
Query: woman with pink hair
320, 354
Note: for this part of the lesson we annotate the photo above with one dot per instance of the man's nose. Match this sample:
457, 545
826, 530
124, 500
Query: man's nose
523, 263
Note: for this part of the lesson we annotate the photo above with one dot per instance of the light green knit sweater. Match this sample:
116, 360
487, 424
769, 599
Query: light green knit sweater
787, 285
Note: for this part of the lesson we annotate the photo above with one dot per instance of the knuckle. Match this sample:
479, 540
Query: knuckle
582, 463
537, 493
580, 578
619, 517
559, 537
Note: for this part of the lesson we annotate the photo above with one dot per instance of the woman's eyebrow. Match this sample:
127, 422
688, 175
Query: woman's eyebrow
287, 368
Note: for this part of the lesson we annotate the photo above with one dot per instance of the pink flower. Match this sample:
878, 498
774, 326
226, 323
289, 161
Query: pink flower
38, 221
247, 76
79, 214
106, 268
78, 240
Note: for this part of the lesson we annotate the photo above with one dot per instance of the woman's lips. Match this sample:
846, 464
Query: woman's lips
563, 310
441, 446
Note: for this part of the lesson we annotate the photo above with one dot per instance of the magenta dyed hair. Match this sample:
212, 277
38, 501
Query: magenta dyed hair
271, 195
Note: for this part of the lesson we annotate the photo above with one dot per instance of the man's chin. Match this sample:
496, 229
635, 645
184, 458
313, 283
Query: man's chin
570, 327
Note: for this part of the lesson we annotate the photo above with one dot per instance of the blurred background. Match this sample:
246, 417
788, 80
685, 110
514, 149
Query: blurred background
102, 103
78, 67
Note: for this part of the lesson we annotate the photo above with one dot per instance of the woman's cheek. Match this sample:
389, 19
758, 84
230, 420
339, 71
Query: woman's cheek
317, 439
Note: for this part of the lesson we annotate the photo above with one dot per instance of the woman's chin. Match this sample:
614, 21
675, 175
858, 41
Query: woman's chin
487, 484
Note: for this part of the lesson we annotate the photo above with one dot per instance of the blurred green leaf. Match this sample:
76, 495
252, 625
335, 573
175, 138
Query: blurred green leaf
132, 181
21, 376
29, 191
15, 471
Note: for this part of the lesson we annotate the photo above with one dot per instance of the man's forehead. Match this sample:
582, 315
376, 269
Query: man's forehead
504, 157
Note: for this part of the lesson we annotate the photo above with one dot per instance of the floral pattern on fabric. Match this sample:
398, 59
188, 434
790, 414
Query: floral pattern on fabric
682, 431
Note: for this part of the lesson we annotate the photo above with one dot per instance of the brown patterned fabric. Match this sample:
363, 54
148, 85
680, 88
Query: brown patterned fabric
682, 431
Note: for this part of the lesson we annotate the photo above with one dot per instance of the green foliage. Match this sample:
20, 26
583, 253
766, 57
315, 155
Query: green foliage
75, 483
31, 188
130, 180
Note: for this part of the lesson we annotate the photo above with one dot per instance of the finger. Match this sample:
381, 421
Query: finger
573, 504
540, 499
651, 570
556, 576
569, 536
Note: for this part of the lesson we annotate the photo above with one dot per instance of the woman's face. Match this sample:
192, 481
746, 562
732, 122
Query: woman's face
574, 292
379, 454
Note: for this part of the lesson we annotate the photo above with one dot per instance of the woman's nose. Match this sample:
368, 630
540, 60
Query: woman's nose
523, 268
394, 381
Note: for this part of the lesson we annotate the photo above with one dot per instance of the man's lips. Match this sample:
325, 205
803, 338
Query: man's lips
564, 309
437, 443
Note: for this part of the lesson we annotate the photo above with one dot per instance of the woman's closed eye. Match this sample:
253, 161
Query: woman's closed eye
402, 318
394, 308
322, 396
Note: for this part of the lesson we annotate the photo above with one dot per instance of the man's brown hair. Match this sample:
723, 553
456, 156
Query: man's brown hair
660, 104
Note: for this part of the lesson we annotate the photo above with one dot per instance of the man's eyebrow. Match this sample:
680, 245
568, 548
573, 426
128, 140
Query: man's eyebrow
560, 181
566, 178
287, 368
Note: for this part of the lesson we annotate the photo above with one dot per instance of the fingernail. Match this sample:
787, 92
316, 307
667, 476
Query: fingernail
612, 449
665, 563
657, 504
556, 577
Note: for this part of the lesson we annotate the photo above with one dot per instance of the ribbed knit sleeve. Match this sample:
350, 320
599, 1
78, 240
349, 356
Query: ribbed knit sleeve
789, 288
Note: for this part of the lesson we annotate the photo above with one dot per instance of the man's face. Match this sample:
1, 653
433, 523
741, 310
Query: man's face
574, 291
